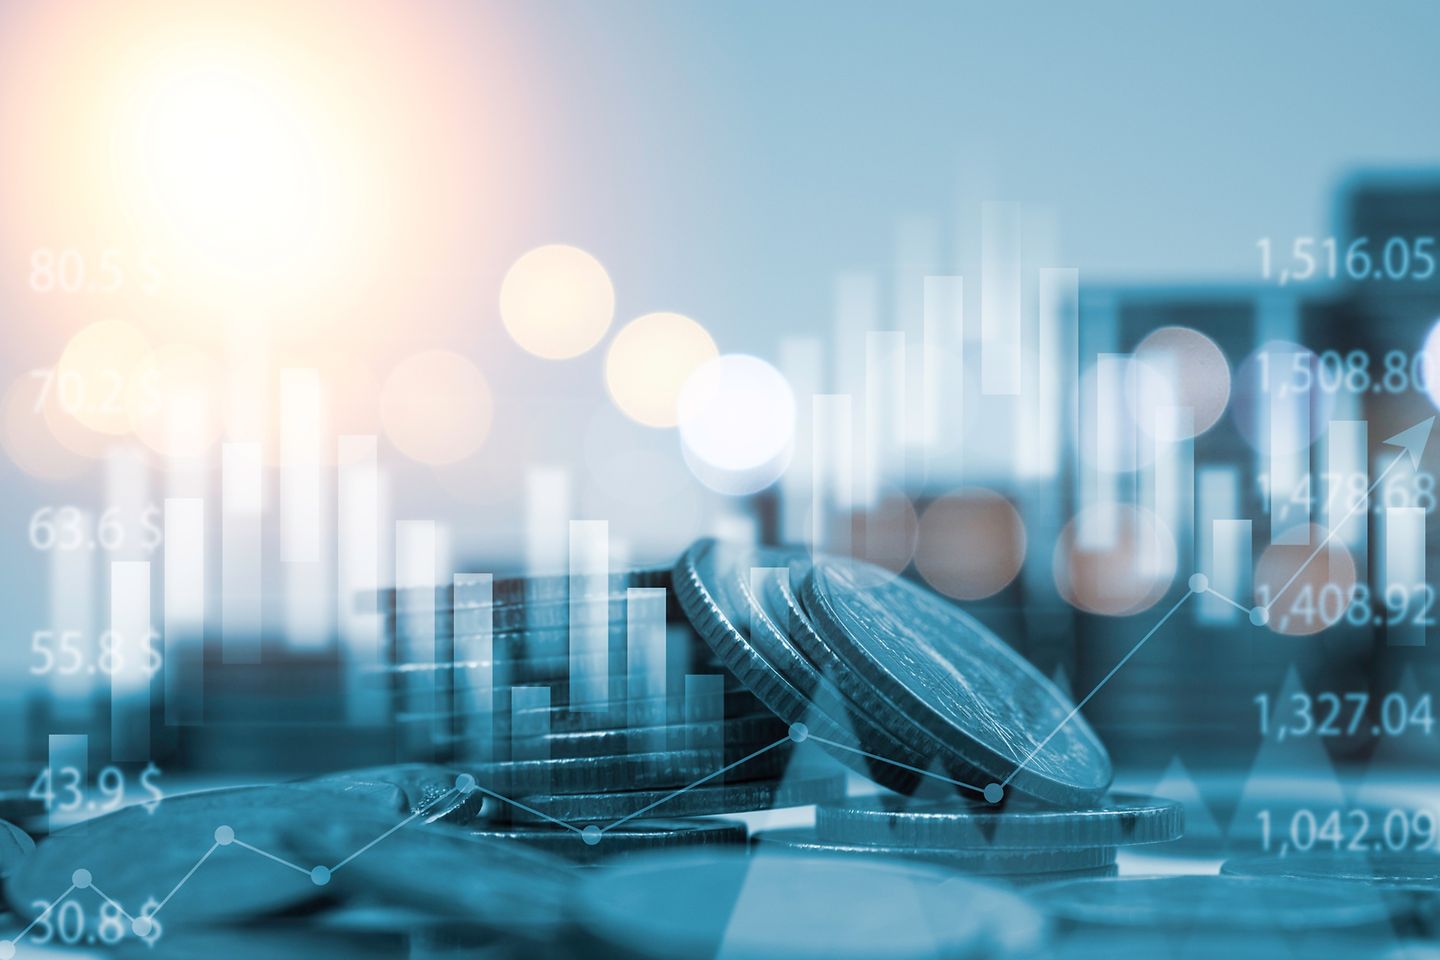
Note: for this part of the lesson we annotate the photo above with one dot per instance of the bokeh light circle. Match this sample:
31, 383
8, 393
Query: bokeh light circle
97, 375
1195, 369
1319, 597
736, 417
1271, 381
649, 361
28, 440
557, 301
436, 407
1114, 559
176, 406
971, 544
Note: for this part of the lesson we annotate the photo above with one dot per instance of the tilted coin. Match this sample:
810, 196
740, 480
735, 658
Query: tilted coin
914, 655
703, 800
633, 771
632, 837
438, 868
712, 583
683, 905
971, 860
1115, 820
429, 789
1209, 902
135, 855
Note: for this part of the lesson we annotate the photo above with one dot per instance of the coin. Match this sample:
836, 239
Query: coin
641, 711
635, 836
428, 788
915, 655
519, 591
737, 737
438, 868
1210, 902
1410, 882
702, 800
968, 860
135, 855
1116, 820
712, 583
633, 771
692, 904
1061, 876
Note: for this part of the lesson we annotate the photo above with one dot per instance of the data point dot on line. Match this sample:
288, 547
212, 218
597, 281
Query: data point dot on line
1259, 616
81, 878
465, 783
591, 834
320, 876
7, 949
798, 732
1199, 583
224, 836
994, 793
140, 926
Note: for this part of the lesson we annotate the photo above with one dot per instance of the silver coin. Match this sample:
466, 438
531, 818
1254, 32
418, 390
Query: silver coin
923, 658
518, 591
1211, 902
967, 860
1408, 882
439, 869
633, 771
712, 584
682, 905
137, 856
1116, 820
633, 837
737, 737
704, 800
428, 789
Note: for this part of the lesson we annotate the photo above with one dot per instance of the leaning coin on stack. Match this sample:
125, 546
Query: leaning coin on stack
1023, 845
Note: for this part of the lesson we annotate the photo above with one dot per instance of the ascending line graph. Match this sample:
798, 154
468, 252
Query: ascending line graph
1412, 441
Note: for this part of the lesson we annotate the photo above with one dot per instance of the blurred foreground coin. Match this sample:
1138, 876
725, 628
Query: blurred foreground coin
681, 905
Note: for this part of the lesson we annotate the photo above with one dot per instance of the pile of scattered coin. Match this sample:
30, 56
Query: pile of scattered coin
984, 825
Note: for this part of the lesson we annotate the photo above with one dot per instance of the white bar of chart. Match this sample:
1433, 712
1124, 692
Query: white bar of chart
415, 581
885, 413
131, 636
1000, 326
801, 363
942, 349
547, 517
241, 594
645, 660
473, 620
1407, 599
704, 716
358, 553
833, 475
1218, 498
530, 726
1347, 478
184, 610
1289, 455
308, 612
1042, 442
72, 613
589, 615
1174, 479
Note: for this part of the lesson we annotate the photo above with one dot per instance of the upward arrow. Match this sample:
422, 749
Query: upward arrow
1412, 441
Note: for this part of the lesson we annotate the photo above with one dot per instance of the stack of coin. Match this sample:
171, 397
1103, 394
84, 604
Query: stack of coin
665, 731
1022, 845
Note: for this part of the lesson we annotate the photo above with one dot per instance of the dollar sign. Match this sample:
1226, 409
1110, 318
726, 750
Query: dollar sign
150, 534
147, 780
147, 910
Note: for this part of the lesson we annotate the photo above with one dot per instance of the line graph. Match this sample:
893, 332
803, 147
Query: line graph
1412, 442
